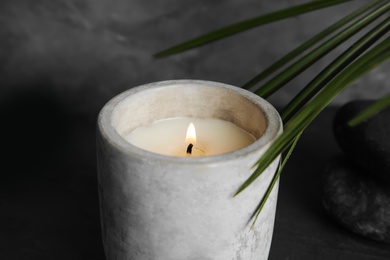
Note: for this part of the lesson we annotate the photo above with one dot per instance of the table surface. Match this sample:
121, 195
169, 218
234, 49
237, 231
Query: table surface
49, 202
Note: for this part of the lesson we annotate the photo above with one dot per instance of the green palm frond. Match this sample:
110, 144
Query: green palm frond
370, 111
248, 24
308, 44
368, 52
301, 120
274, 179
299, 66
334, 68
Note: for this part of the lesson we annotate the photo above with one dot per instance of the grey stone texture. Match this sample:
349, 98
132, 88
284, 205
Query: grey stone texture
82, 53
367, 144
357, 201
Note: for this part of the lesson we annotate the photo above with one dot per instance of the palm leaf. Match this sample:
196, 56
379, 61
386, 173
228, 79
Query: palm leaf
308, 44
274, 180
370, 111
248, 24
306, 61
300, 121
338, 75
335, 67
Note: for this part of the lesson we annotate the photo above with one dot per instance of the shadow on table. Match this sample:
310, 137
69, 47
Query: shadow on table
48, 191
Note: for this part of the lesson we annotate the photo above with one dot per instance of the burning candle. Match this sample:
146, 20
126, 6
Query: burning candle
190, 137
155, 206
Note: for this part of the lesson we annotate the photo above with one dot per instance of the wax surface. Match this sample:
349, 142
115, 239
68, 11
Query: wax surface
168, 137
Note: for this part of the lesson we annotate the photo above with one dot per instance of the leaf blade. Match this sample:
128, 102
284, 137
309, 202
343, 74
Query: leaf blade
370, 111
308, 44
297, 67
274, 179
246, 25
298, 123
335, 67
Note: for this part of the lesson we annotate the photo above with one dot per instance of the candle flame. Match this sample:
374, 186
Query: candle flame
191, 134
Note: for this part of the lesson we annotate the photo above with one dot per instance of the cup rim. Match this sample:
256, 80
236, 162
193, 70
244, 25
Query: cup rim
272, 130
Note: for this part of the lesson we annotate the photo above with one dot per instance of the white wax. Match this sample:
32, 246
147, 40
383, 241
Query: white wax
168, 137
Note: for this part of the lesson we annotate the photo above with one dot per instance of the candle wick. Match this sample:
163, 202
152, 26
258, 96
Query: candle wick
189, 148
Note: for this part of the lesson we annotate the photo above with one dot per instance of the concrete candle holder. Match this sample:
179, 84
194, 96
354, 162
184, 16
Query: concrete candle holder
155, 206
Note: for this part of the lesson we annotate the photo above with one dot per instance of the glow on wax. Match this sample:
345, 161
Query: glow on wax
172, 137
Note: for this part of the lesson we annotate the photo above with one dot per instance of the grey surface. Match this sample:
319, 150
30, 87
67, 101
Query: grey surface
81, 53
59, 57
49, 198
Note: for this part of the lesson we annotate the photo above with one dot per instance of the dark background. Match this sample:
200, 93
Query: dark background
81, 53
60, 61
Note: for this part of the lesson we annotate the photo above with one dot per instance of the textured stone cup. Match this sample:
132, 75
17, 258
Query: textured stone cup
155, 206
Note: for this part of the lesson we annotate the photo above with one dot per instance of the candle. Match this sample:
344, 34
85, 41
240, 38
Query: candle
206, 136
154, 206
